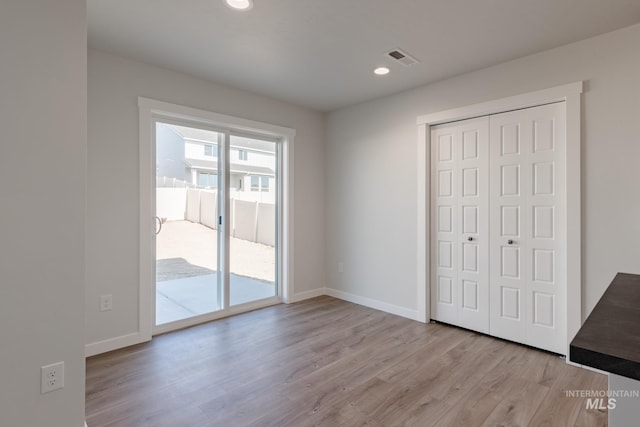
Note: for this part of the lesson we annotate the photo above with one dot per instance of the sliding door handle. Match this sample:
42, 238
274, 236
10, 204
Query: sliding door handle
158, 225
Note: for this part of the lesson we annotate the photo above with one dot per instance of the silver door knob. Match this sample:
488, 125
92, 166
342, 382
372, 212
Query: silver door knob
510, 242
470, 239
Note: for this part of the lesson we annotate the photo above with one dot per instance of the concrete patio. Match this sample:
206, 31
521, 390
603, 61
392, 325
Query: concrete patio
186, 271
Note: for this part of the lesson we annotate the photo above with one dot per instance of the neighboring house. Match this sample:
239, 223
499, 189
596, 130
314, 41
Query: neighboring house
170, 160
191, 156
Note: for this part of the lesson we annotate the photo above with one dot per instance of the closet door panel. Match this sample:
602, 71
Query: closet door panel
459, 212
546, 323
444, 225
527, 189
508, 179
473, 237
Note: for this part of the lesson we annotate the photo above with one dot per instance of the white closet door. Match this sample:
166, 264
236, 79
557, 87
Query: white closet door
444, 224
473, 235
527, 249
459, 212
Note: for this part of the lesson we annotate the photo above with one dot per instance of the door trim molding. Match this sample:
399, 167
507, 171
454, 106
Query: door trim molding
150, 110
571, 95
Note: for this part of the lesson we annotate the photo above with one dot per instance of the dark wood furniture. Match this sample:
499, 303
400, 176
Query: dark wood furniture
610, 337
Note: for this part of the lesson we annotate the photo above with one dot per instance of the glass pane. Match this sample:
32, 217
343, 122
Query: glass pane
254, 183
187, 282
203, 179
213, 181
252, 256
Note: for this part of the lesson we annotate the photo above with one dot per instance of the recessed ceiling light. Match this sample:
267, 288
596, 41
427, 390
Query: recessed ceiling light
239, 4
381, 71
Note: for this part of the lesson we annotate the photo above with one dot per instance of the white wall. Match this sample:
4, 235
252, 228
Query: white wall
371, 167
43, 122
115, 84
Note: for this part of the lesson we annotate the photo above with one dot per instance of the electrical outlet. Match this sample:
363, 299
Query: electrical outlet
106, 302
51, 377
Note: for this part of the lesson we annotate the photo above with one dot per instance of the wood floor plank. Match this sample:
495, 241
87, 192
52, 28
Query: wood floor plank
518, 406
558, 409
477, 404
589, 417
326, 362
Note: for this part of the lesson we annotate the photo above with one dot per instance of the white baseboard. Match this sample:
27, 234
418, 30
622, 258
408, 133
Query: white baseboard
112, 344
301, 296
375, 304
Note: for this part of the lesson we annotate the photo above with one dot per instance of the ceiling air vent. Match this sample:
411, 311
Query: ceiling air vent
402, 57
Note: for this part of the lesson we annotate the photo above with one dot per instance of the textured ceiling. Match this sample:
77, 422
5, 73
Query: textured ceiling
321, 53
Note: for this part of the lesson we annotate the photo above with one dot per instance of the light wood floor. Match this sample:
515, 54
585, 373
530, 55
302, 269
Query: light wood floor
326, 362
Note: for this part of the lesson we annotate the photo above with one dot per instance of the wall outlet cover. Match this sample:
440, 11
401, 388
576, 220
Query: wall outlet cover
106, 302
52, 377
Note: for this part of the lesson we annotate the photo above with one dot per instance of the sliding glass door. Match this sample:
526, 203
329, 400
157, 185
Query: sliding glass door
217, 222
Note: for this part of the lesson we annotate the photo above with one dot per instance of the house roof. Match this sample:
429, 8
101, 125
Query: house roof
209, 136
212, 165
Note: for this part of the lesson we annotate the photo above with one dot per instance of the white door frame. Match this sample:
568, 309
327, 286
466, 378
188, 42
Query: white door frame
571, 95
150, 110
